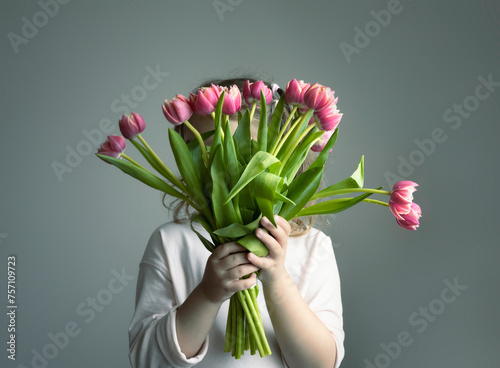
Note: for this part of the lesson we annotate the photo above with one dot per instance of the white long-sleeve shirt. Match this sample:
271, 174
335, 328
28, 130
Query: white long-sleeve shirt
173, 265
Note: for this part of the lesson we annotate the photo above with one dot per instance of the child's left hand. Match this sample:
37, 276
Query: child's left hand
272, 266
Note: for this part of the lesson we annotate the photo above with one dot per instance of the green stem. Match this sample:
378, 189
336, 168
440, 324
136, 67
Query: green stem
374, 201
254, 105
296, 124
291, 149
245, 300
229, 324
133, 161
200, 141
239, 329
350, 190
260, 328
182, 195
171, 176
282, 130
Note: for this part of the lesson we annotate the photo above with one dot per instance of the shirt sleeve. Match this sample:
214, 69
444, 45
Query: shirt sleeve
152, 333
323, 292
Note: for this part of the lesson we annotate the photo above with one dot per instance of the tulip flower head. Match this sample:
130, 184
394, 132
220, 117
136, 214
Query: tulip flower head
112, 147
132, 125
206, 100
294, 94
178, 110
402, 206
317, 96
232, 100
251, 92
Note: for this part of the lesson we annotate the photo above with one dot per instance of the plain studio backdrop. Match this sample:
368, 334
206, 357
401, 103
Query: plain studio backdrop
418, 83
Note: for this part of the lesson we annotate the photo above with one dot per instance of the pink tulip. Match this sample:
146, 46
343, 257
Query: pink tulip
402, 198
113, 147
251, 92
232, 100
295, 90
317, 96
131, 125
410, 220
206, 100
328, 117
178, 110
323, 140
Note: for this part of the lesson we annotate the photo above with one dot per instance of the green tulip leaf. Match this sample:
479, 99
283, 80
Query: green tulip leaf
265, 185
300, 191
231, 163
262, 132
201, 220
321, 159
332, 206
280, 197
259, 162
242, 136
187, 168
237, 230
254, 245
275, 124
224, 213
143, 175
356, 180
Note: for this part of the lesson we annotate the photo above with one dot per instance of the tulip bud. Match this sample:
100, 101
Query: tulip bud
232, 100
323, 140
113, 147
206, 100
401, 198
317, 96
178, 110
295, 90
251, 92
131, 125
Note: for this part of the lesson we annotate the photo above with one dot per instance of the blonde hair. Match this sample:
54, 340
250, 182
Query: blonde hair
299, 226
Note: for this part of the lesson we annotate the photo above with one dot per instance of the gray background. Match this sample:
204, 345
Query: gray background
69, 235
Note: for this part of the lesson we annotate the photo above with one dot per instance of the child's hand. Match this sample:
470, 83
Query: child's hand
272, 266
225, 266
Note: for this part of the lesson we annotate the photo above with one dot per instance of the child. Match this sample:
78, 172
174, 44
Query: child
180, 313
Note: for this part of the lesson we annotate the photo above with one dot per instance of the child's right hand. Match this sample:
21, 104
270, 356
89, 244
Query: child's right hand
225, 266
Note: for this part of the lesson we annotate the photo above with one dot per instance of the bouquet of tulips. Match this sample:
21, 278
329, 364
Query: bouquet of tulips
251, 178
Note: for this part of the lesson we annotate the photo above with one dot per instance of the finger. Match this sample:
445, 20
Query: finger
284, 224
269, 241
261, 263
244, 284
238, 272
226, 249
233, 260
277, 232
